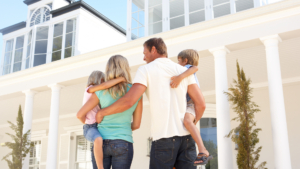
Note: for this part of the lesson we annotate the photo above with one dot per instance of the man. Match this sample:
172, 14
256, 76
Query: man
172, 144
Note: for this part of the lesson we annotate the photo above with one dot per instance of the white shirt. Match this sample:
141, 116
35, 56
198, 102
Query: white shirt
167, 105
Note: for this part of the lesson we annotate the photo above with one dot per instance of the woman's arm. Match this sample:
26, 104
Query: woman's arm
175, 80
106, 85
137, 115
88, 106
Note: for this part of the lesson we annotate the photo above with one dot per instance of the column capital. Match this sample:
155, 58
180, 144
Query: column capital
29, 92
56, 86
221, 48
269, 40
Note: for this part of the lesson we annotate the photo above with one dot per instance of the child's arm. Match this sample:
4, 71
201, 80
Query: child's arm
175, 80
137, 115
106, 85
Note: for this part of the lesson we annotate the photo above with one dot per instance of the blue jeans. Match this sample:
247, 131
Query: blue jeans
117, 154
177, 151
91, 132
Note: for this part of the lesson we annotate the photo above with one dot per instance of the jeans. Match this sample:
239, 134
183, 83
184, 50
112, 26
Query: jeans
90, 132
117, 154
177, 151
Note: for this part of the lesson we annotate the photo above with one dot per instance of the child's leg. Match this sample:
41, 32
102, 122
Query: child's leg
192, 128
98, 152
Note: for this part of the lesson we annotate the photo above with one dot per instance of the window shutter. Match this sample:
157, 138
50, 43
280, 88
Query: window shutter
44, 153
64, 151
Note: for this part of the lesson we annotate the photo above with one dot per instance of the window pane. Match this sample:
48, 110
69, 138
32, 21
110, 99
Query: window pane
17, 66
56, 56
244, 5
9, 45
6, 70
71, 25
154, 2
177, 22
134, 24
18, 55
176, 8
20, 42
41, 46
58, 29
39, 59
208, 131
42, 33
221, 7
141, 32
195, 5
57, 43
7, 58
68, 52
69, 40
197, 17
155, 28
137, 18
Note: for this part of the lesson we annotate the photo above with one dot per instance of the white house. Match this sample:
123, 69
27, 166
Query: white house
47, 59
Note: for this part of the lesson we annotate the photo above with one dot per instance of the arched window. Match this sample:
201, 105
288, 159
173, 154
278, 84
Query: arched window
39, 16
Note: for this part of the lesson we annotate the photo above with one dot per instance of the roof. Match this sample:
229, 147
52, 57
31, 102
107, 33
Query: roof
82, 4
13, 28
29, 2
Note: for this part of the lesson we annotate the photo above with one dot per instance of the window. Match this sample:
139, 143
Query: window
8, 56
83, 153
18, 54
196, 11
41, 42
35, 155
176, 13
70, 38
155, 17
39, 16
57, 41
208, 131
221, 7
137, 19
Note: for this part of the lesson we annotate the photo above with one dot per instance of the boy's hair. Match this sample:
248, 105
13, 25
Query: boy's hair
158, 43
95, 78
191, 55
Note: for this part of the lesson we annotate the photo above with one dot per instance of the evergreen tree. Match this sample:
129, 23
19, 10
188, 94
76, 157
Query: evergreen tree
20, 146
247, 137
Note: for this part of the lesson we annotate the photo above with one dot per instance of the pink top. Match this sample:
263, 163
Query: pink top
90, 117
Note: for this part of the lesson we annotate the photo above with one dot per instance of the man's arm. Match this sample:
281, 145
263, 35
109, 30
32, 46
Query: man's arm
198, 99
124, 103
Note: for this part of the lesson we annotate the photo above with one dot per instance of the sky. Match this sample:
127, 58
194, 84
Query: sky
15, 11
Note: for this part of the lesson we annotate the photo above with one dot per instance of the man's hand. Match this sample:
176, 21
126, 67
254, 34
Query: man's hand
175, 81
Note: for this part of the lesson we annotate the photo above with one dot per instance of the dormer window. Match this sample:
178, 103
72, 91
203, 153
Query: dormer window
40, 15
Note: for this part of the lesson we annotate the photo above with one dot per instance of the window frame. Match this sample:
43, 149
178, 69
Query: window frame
89, 146
40, 155
42, 19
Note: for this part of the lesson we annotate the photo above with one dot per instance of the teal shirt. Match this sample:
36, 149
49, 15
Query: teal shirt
115, 126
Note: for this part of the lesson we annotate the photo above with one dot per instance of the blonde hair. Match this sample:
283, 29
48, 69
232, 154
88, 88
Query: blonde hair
117, 66
95, 78
191, 55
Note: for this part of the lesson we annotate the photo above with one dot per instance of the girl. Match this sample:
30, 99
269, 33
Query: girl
90, 130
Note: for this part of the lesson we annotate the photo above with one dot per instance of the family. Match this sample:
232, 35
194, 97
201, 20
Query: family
113, 105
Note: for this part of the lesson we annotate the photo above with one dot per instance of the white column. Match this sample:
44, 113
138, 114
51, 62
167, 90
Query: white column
277, 108
225, 160
53, 127
28, 111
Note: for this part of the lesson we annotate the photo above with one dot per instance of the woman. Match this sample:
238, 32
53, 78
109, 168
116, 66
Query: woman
116, 129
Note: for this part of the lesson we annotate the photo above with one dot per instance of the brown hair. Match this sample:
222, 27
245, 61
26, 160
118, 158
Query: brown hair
191, 55
158, 43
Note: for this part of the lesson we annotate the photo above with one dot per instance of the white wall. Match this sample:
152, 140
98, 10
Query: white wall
95, 33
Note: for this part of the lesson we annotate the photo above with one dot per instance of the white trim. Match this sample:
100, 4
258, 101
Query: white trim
63, 39
232, 7
146, 18
128, 30
2, 58
186, 13
24, 52
13, 56
209, 13
49, 43
77, 130
77, 52
165, 15
38, 135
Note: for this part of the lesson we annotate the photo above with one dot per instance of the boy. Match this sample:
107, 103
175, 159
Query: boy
189, 59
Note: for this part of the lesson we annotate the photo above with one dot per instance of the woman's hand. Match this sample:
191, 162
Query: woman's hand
175, 81
99, 117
